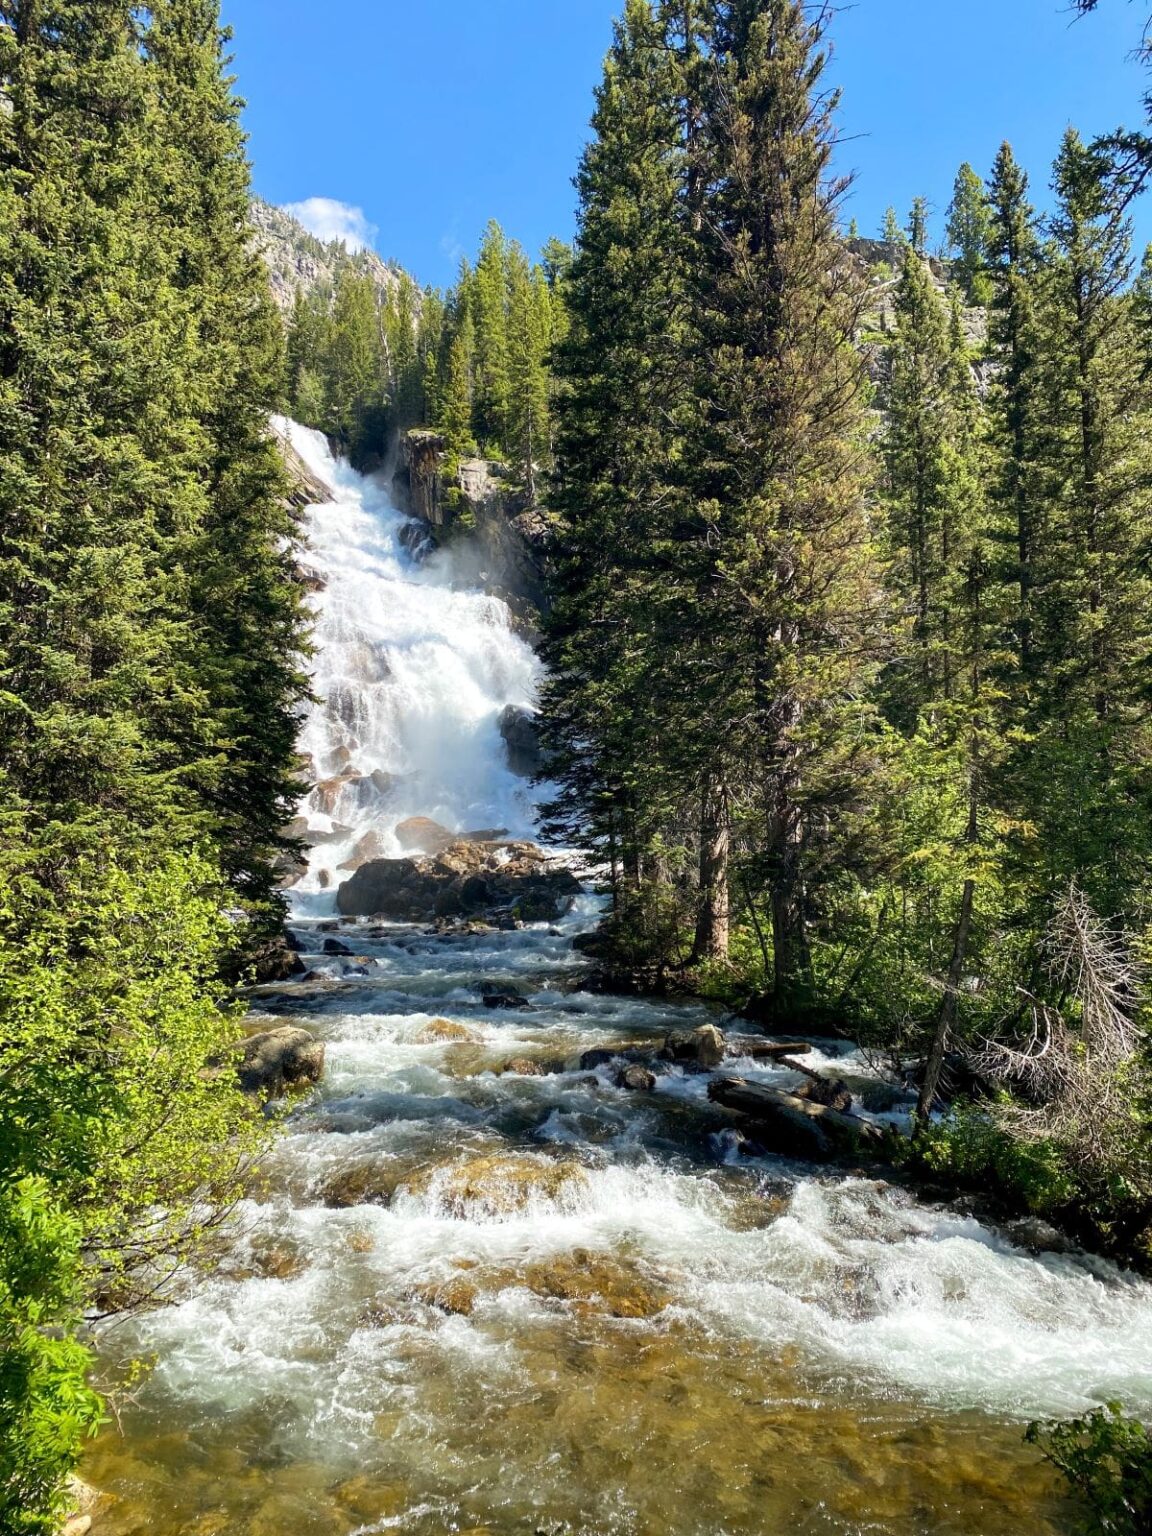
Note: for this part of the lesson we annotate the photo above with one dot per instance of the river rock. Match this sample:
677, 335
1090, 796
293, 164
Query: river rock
437, 1030
703, 1047
336, 947
636, 1079
278, 960
524, 1066
833, 1093
280, 1059
462, 880
497, 996
364, 850
420, 834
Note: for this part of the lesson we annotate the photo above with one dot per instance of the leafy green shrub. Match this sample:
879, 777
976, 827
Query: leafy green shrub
1107, 1459
971, 1149
123, 1132
114, 1055
46, 1407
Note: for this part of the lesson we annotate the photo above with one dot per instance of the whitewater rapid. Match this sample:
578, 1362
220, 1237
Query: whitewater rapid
467, 1299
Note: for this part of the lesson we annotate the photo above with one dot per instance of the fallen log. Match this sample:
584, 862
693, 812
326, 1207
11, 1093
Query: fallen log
832, 1092
759, 1049
797, 1127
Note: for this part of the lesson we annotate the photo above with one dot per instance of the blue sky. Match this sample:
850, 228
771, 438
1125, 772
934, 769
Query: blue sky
432, 116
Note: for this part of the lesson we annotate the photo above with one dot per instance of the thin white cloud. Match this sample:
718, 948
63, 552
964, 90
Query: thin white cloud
329, 219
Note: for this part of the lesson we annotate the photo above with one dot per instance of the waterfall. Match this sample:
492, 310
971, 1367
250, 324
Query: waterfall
413, 668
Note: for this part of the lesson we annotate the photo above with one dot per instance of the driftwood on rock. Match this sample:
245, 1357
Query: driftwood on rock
832, 1092
796, 1126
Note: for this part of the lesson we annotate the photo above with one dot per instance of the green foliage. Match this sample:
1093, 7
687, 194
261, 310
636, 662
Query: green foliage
1107, 1459
114, 1058
46, 1408
151, 626
970, 1149
969, 232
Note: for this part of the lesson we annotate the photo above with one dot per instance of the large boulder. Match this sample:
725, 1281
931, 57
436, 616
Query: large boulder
278, 1060
402, 889
521, 741
464, 879
704, 1047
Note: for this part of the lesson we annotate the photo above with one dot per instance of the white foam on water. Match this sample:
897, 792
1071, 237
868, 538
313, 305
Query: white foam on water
411, 673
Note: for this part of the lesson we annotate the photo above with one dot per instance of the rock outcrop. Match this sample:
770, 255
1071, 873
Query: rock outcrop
296, 259
462, 880
521, 737
475, 495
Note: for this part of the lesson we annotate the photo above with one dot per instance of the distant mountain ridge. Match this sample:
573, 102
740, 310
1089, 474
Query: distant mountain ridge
298, 260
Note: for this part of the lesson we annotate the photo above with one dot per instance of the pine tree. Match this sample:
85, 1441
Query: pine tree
918, 226
969, 233
529, 344
1014, 255
940, 690
786, 583
355, 363
1092, 627
404, 370
245, 604
457, 395
622, 375
489, 308
92, 485
429, 344
307, 343
891, 232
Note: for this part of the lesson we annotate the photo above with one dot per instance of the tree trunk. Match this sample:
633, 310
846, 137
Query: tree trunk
790, 958
948, 1006
713, 915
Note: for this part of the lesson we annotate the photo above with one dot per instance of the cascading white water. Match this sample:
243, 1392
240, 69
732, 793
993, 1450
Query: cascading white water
412, 672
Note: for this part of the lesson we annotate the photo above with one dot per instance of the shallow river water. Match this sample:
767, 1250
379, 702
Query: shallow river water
475, 1301
465, 1300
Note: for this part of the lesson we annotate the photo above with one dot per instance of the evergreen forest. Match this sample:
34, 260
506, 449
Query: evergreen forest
846, 700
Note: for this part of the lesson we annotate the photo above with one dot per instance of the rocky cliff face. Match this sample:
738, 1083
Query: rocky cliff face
474, 497
295, 259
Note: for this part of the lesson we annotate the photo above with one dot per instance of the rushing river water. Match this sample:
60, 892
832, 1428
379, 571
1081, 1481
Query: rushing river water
470, 1300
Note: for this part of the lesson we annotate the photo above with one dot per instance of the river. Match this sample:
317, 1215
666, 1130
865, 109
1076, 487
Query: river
464, 1299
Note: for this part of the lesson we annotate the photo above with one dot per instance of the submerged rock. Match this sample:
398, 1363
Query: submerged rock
446, 1030
524, 1066
500, 1184
496, 996
636, 1078
278, 1060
